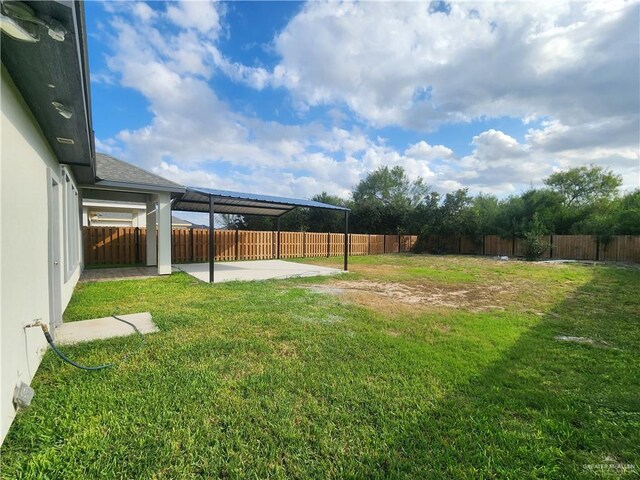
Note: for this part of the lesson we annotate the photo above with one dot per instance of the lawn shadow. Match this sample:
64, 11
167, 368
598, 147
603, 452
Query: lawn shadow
546, 408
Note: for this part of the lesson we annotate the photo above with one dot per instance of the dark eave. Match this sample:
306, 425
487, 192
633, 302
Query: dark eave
51, 71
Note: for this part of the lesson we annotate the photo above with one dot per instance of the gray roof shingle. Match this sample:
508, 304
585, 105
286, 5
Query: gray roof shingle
111, 170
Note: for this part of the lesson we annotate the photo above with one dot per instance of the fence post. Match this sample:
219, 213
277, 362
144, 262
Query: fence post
328, 244
597, 248
369, 244
237, 246
278, 255
551, 246
304, 244
483, 238
346, 239
384, 243
136, 239
513, 244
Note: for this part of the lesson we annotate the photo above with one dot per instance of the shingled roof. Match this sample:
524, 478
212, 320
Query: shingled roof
111, 172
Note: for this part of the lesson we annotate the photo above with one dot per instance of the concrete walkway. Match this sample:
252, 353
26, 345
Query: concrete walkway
102, 328
121, 273
255, 270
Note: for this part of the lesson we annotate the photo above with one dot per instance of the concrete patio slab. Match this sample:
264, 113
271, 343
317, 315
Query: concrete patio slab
102, 328
255, 270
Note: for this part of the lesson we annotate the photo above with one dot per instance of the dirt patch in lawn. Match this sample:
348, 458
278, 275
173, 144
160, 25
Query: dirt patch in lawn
383, 295
377, 270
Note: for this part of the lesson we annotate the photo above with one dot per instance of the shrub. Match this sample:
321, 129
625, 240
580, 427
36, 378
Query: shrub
534, 245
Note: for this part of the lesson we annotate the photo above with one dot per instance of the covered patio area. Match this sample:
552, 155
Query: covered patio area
255, 270
118, 181
204, 200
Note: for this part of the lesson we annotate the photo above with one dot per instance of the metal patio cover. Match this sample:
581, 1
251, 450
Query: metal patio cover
197, 199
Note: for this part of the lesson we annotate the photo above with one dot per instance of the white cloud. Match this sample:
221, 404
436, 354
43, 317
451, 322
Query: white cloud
497, 164
192, 177
200, 15
143, 11
255, 77
400, 64
423, 151
494, 146
501, 165
396, 65
108, 146
104, 78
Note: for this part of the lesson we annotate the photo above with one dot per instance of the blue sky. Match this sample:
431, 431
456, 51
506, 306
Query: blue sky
297, 98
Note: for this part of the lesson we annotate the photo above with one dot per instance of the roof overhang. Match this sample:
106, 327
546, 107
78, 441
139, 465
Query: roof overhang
50, 71
117, 175
135, 187
197, 199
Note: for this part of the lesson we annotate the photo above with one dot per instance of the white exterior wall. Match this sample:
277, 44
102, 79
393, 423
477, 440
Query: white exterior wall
26, 163
138, 212
92, 206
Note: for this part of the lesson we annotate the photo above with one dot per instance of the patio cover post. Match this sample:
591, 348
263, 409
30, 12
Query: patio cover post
278, 250
346, 239
164, 233
212, 247
152, 253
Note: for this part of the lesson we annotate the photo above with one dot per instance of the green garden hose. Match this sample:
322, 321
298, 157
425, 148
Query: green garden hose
47, 335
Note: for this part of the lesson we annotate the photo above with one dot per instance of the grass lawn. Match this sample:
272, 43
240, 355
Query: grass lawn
409, 367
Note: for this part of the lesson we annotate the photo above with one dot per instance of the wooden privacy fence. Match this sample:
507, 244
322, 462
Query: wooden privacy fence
123, 246
112, 245
620, 248
127, 246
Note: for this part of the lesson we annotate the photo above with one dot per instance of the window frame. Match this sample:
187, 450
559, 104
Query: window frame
71, 221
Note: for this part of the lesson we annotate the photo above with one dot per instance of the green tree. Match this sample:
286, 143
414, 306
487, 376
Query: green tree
257, 222
454, 213
516, 213
534, 243
584, 185
319, 220
230, 222
391, 186
483, 215
626, 214
424, 218
579, 200
385, 199
301, 219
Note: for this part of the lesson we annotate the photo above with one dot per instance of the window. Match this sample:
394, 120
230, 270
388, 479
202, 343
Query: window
71, 225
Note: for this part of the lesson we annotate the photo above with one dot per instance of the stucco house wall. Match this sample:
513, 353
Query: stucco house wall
102, 213
27, 166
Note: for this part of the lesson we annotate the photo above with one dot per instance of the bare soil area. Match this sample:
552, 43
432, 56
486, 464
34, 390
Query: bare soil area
422, 295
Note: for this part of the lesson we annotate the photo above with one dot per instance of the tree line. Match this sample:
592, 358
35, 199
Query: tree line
582, 200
